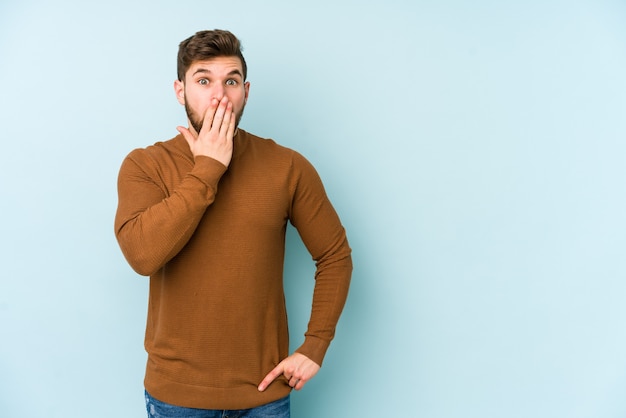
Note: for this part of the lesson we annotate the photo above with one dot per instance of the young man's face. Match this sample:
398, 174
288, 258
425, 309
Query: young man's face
214, 78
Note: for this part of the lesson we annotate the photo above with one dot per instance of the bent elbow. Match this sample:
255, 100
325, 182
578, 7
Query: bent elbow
136, 255
143, 267
140, 262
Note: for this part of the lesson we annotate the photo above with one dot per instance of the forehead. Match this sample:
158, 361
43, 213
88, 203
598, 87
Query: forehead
216, 66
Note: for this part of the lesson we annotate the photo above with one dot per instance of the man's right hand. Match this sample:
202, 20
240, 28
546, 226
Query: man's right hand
215, 139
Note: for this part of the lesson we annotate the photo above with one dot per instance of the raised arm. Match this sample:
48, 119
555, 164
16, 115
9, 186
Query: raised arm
153, 222
152, 227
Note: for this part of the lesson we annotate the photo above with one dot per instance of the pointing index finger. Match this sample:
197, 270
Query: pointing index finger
271, 376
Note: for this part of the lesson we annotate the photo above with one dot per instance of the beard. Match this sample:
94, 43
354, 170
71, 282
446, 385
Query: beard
197, 121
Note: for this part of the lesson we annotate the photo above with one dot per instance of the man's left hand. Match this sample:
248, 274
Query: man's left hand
297, 368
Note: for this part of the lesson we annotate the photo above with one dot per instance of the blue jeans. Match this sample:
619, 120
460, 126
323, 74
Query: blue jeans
158, 409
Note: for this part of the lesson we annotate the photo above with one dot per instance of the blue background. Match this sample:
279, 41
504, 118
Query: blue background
474, 150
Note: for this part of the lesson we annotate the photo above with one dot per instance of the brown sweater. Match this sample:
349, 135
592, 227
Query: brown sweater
212, 240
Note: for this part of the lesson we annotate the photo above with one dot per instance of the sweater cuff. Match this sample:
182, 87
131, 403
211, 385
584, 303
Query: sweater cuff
208, 170
314, 348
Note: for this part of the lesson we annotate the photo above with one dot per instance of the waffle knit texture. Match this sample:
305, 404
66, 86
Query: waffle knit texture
212, 240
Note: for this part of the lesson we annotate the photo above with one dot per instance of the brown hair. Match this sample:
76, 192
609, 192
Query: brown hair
208, 44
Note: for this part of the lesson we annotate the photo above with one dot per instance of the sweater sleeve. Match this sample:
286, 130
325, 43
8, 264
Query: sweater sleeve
151, 224
322, 233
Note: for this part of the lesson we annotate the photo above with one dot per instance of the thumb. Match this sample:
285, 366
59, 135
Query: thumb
187, 134
184, 132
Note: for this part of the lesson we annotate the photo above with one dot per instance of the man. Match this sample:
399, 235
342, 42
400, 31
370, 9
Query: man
204, 215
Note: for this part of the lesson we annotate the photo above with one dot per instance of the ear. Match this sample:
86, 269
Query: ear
247, 90
179, 90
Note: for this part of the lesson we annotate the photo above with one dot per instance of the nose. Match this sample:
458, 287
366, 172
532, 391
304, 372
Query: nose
218, 92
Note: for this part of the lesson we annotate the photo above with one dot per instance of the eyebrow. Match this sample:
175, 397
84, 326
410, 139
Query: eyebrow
204, 70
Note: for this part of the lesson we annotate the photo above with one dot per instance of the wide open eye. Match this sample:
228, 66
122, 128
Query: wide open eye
203, 82
231, 82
